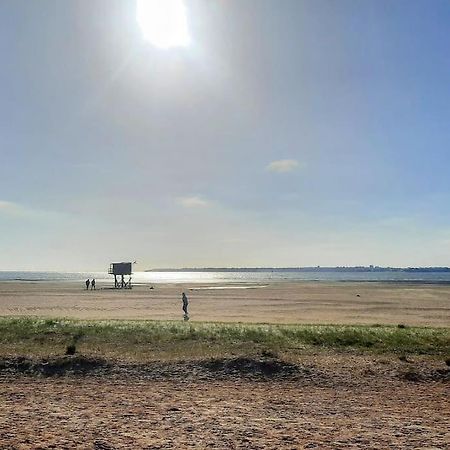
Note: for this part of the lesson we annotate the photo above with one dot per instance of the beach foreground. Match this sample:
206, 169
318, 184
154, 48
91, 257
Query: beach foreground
69, 381
336, 401
299, 302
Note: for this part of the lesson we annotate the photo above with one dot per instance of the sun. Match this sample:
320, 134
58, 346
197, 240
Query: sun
163, 22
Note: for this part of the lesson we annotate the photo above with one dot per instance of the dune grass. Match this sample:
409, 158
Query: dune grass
171, 339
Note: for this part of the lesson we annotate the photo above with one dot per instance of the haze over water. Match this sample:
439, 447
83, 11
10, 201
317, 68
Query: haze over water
276, 275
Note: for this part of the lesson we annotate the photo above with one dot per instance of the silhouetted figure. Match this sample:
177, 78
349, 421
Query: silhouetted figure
87, 284
185, 306
93, 284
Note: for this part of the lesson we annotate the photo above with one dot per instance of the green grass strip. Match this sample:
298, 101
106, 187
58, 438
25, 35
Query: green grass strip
21, 334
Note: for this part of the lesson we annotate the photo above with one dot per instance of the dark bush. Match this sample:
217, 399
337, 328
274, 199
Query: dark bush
71, 349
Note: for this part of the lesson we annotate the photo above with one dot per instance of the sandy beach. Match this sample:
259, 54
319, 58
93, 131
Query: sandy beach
299, 302
333, 399
337, 402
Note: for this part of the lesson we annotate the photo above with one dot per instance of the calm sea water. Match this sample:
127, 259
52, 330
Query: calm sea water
229, 277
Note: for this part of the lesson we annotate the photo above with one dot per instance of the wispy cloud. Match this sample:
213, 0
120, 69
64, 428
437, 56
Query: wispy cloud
283, 165
193, 201
19, 211
12, 209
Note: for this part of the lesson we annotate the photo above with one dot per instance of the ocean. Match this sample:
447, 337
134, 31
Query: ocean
275, 275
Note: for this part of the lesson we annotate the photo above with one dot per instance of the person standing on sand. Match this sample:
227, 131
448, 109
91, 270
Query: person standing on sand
87, 284
93, 284
185, 301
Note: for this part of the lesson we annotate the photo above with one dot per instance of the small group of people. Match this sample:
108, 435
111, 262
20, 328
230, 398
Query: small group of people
91, 283
184, 299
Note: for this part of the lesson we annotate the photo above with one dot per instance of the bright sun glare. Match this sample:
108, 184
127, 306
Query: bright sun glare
163, 22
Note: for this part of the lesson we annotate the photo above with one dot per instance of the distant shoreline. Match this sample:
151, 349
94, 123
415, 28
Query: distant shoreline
362, 269
431, 275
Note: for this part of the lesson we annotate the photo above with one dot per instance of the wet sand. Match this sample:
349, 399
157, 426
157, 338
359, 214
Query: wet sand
300, 302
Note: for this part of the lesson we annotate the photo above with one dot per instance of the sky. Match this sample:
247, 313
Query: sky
293, 133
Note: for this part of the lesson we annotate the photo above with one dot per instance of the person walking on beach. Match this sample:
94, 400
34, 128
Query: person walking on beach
93, 284
87, 284
185, 301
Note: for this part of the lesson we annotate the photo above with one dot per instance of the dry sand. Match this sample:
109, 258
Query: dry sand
357, 402
301, 302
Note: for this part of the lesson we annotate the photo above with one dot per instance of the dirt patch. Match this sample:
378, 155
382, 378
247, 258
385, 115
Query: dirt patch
209, 369
420, 375
223, 369
57, 366
259, 367
250, 368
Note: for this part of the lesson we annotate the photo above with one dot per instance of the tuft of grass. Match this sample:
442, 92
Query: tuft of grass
171, 339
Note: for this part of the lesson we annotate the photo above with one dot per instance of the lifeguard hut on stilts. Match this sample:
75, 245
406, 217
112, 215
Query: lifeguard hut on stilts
120, 270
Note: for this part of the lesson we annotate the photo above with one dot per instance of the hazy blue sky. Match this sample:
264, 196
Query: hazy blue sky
288, 133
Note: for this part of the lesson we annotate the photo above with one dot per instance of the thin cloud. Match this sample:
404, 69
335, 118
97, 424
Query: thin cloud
16, 210
193, 201
11, 209
283, 165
